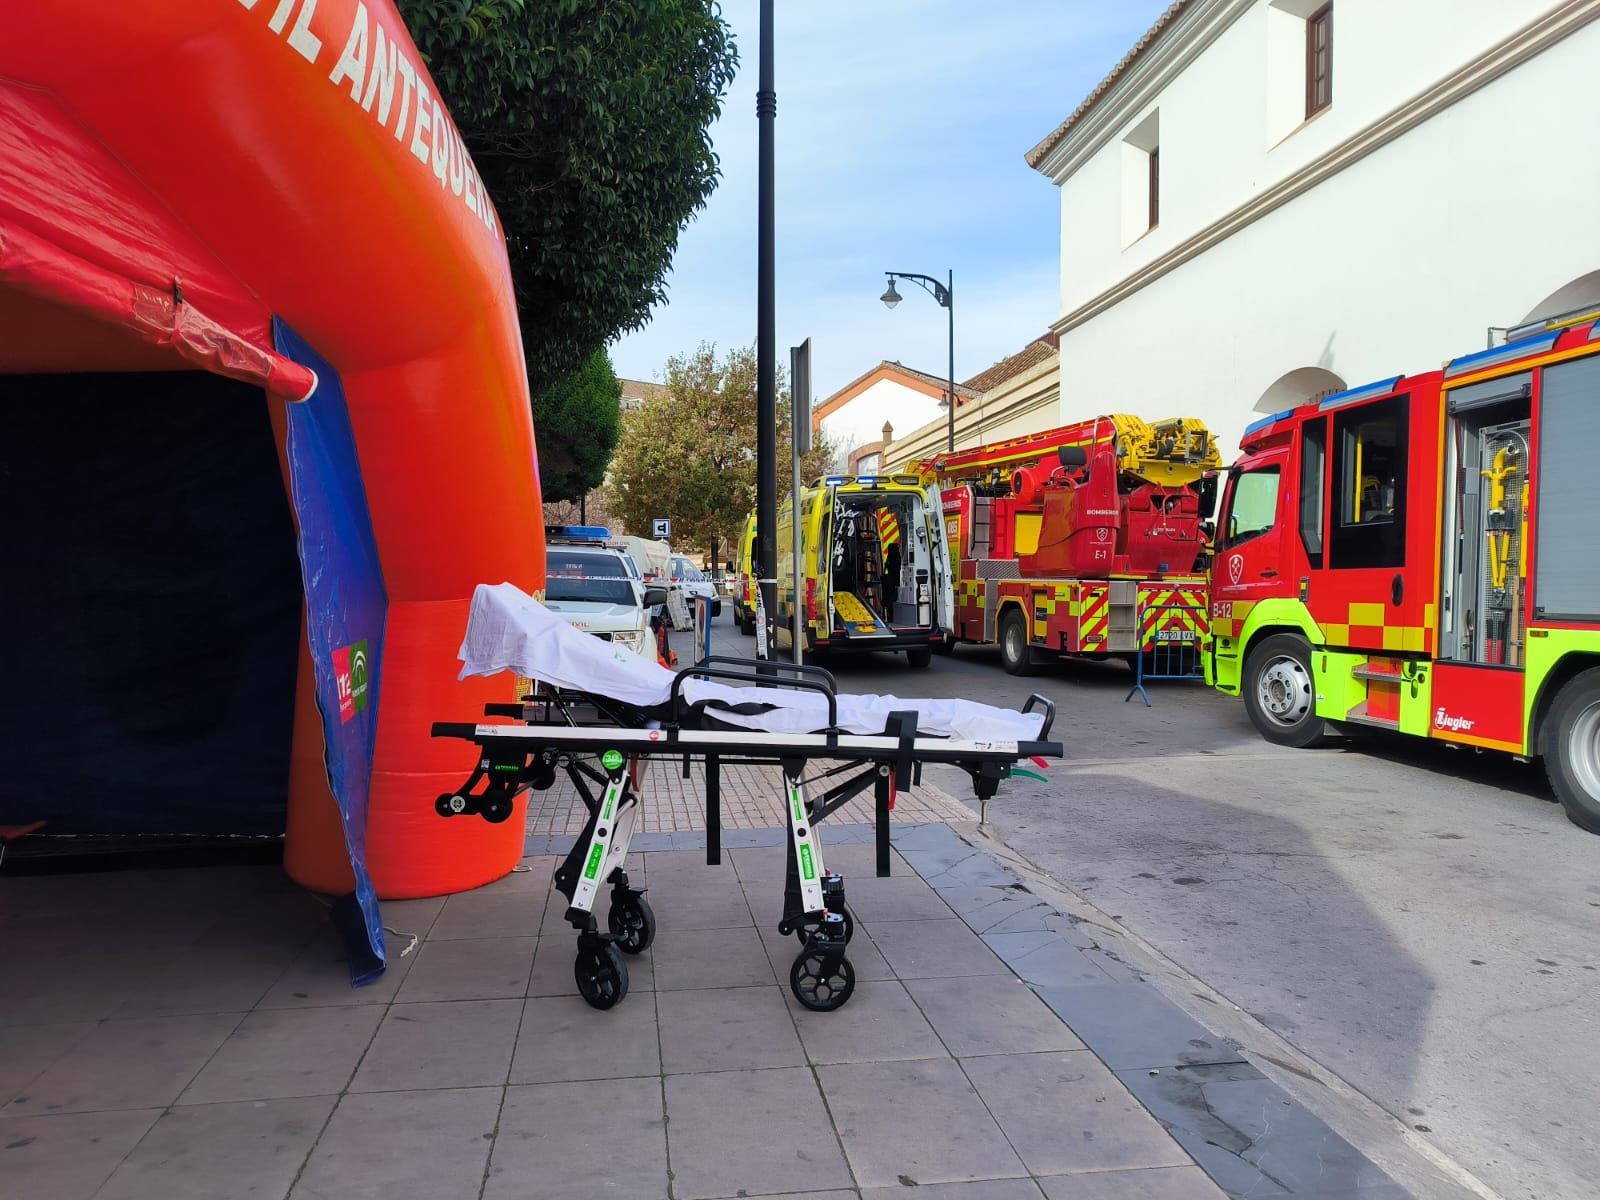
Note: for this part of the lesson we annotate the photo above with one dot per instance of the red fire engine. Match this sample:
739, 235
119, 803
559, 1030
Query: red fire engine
1418, 555
1083, 540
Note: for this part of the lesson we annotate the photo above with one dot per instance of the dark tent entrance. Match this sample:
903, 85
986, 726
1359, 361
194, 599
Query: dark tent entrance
151, 605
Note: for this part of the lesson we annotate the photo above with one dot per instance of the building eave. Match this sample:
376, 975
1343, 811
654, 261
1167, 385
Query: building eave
1148, 39
1193, 27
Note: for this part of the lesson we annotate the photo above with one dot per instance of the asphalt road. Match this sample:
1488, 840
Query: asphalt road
1423, 923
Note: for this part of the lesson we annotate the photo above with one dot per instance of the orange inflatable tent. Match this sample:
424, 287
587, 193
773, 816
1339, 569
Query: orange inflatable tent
219, 218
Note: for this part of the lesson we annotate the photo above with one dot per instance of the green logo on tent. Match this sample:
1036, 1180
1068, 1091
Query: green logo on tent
359, 670
611, 760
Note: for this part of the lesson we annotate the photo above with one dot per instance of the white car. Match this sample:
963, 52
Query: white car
694, 582
593, 588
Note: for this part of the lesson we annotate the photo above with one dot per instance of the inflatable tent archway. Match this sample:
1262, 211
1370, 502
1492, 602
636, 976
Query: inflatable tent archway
266, 192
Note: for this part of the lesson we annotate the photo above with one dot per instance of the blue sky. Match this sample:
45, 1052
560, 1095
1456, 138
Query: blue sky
900, 133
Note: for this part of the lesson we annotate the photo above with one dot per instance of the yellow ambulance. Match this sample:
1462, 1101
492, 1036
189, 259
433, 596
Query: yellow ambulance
876, 568
744, 579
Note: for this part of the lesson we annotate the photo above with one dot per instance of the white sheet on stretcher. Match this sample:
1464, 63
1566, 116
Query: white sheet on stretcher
508, 630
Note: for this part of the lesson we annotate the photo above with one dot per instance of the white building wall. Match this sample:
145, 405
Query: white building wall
1393, 264
861, 419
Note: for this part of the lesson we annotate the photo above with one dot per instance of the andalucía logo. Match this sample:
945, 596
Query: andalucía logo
350, 673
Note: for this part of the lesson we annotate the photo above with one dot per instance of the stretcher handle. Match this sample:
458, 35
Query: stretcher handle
504, 710
766, 668
1049, 712
807, 685
455, 729
1040, 750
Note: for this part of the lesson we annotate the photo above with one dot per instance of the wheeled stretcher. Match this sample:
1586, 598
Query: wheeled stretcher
598, 740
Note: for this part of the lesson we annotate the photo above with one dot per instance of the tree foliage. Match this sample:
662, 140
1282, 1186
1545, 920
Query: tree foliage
589, 123
577, 419
690, 455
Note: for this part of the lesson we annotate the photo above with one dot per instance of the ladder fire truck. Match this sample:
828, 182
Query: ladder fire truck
1419, 555
1083, 540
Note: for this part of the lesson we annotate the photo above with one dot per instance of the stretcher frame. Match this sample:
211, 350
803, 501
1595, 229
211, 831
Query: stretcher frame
551, 738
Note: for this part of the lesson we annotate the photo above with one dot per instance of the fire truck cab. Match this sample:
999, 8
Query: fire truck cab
1418, 555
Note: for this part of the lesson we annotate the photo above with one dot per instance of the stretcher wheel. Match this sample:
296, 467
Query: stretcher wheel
804, 930
602, 975
496, 807
632, 920
820, 985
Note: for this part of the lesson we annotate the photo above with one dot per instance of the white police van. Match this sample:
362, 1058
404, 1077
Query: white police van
593, 587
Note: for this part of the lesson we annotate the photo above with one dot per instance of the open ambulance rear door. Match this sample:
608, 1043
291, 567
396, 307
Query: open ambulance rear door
944, 599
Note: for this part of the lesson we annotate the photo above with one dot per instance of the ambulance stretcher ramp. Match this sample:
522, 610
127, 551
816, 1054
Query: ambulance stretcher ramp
597, 712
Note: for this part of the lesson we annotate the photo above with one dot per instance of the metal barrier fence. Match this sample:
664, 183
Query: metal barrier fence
1169, 644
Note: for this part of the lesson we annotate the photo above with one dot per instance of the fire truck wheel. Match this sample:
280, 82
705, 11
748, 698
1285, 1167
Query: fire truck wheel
1279, 694
919, 658
1015, 653
1572, 749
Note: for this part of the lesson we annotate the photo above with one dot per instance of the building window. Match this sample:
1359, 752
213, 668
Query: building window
1141, 178
1155, 188
1319, 60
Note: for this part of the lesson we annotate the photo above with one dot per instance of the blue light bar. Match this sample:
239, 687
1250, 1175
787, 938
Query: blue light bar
1488, 358
1265, 421
1365, 392
578, 533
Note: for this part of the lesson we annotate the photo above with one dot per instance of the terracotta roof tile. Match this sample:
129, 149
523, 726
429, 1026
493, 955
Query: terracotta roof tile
638, 389
940, 380
1035, 156
1031, 355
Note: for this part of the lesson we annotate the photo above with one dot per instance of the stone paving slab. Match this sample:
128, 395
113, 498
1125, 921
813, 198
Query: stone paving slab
235, 1151
752, 798
975, 1061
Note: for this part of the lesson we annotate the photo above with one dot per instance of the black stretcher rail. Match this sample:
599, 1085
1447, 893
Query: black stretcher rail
755, 744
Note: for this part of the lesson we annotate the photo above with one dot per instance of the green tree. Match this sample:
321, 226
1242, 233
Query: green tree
589, 122
690, 454
577, 420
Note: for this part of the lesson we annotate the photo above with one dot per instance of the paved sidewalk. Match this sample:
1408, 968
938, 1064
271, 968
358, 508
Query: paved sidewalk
192, 1034
752, 798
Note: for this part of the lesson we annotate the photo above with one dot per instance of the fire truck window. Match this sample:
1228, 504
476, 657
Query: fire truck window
1370, 466
1313, 485
1252, 505
1566, 571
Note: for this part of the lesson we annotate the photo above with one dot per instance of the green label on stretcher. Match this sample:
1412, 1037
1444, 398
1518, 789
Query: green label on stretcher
592, 867
611, 759
798, 805
806, 868
611, 802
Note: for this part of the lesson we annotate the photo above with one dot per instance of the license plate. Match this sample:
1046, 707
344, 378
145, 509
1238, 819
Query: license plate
1174, 635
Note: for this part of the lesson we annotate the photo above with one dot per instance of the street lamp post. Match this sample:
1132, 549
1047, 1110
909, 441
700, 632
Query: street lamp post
944, 293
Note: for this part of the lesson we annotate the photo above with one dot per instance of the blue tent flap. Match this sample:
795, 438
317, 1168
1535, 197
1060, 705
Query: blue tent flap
346, 606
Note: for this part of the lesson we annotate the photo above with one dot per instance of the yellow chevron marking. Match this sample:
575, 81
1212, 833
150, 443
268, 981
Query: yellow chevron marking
851, 609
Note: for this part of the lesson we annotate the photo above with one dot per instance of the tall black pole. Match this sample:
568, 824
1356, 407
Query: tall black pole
766, 349
950, 304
